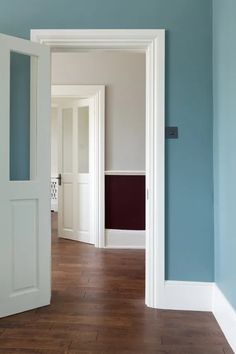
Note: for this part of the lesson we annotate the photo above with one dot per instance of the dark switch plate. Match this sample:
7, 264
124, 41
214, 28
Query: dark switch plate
172, 133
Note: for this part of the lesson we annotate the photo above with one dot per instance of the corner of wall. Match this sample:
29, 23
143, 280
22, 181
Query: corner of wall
225, 316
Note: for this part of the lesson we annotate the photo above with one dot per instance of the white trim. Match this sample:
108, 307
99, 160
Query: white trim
64, 40
125, 239
152, 42
74, 91
125, 173
186, 295
225, 315
155, 167
97, 153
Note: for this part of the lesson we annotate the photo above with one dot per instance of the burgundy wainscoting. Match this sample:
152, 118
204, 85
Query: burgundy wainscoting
125, 202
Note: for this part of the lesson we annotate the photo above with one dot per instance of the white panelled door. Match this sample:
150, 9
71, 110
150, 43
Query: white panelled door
74, 129
25, 239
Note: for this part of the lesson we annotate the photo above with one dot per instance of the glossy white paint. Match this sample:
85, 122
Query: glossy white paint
25, 241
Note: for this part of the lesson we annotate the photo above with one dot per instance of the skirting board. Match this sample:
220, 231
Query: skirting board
225, 316
125, 239
186, 295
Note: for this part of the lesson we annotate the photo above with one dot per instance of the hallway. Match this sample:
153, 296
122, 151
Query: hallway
98, 307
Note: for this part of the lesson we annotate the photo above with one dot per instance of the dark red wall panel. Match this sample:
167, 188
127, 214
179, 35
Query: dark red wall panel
125, 202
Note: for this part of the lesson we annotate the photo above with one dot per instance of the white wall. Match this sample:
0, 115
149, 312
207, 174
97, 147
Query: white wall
124, 77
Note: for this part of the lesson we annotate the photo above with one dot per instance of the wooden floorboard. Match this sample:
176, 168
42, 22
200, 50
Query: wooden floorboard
98, 307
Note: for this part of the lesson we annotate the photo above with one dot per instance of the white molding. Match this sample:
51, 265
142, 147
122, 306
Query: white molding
97, 152
225, 315
125, 173
186, 295
155, 171
125, 239
152, 42
64, 40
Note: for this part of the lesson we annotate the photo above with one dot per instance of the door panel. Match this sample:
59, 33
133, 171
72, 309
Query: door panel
65, 167
67, 140
83, 186
25, 240
83, 139
25, 265
68, 206
83, 208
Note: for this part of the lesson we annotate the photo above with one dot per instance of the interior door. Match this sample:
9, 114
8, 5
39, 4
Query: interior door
74, 166
25, 239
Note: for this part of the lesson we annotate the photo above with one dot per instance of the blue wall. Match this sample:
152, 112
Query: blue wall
224, 69
189, 170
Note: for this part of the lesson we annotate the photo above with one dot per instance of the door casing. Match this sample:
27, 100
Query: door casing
152, 43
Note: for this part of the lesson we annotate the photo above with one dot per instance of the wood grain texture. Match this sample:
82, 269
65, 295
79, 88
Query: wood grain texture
98, 307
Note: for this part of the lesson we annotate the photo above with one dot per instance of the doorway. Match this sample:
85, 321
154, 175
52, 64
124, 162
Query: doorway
152, 43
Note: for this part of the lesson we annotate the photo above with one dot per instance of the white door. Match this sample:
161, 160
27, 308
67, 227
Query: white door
25, 239
74, 127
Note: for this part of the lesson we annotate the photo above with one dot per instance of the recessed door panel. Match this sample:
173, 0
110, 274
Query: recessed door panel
67, 140
68, 206
25, 267
83, 139
83, 204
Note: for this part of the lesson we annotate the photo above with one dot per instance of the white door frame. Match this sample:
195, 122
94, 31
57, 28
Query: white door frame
152, 42
97, 155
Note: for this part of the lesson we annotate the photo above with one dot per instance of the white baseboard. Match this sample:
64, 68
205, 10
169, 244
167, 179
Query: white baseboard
198, 296
225, 315
185, 295
125, 239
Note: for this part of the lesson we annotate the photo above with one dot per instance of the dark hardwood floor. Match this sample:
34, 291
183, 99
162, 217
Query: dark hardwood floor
98, 307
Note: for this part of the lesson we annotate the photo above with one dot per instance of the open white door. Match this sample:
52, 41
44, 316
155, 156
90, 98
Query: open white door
25, 239
74, 129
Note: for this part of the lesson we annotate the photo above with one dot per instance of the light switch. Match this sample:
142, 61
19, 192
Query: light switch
172, 133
